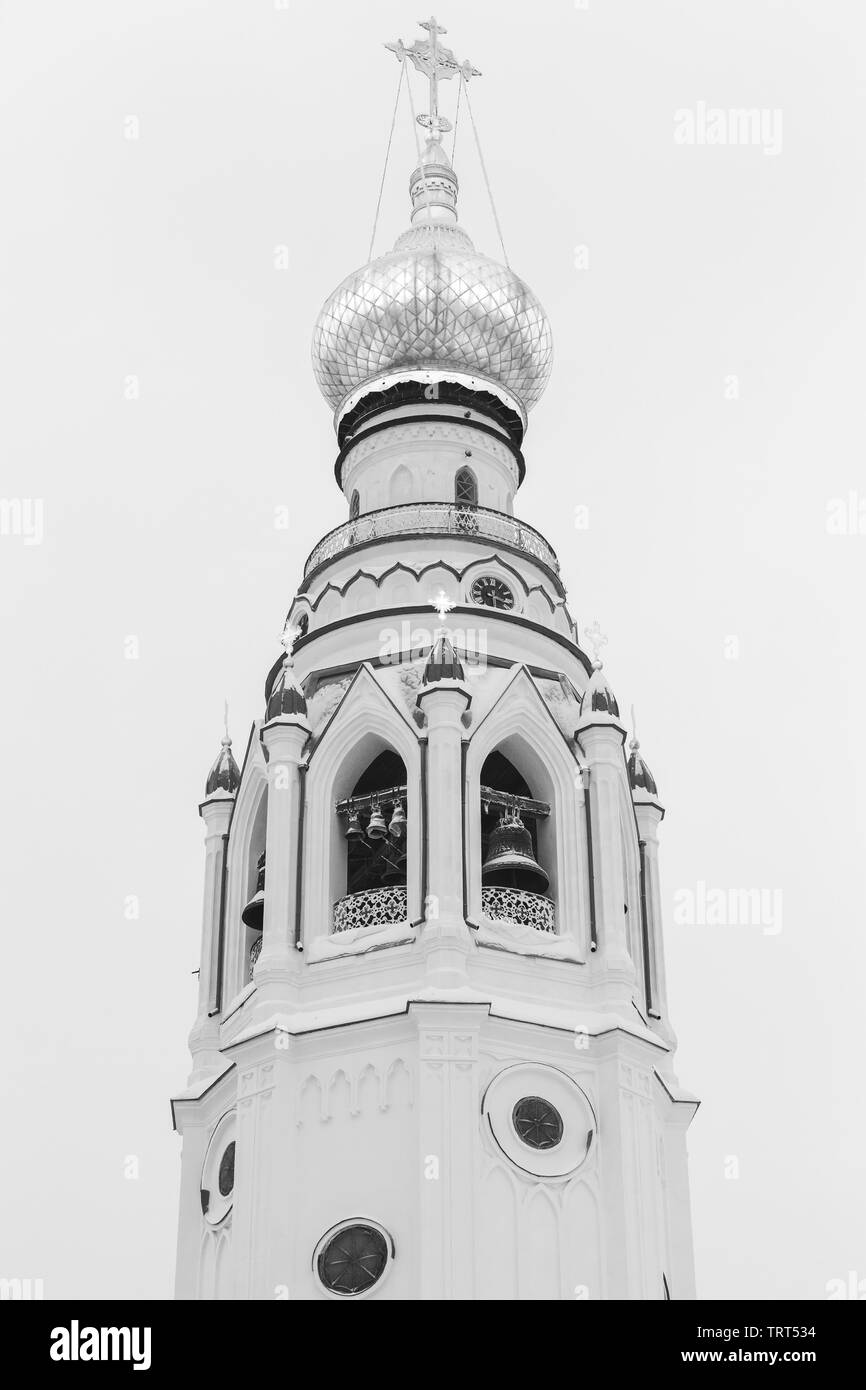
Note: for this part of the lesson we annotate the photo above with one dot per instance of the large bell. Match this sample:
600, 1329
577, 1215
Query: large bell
510, 862
254, 912
376, 827
354, 830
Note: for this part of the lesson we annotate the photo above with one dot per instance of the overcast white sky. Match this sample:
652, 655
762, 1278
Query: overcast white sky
264, 126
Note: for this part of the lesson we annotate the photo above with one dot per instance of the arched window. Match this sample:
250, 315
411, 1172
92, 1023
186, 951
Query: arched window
466, 488
400, 490
514, 881
355, 506
374, 817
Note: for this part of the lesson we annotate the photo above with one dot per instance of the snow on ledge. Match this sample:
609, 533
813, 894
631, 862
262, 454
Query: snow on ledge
527, 941
358, 940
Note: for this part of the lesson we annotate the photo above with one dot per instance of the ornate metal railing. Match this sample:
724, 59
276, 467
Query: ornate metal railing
434, 518
522, 909
255, 952
375, 907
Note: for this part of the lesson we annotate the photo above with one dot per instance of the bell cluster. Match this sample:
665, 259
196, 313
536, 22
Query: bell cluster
376, 828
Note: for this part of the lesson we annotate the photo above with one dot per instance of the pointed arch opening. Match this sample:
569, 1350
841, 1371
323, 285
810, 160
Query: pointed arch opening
465, 488
253, 911
515, 884
374, 828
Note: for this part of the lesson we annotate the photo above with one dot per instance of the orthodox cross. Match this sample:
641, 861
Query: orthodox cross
438, 64
596, 640
442, 604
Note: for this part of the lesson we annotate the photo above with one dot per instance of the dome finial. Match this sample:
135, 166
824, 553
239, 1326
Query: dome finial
438, 64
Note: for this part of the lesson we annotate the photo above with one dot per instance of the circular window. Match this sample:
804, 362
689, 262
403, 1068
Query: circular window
492, 592
352, 1258
538, 1123
540, 1119
218, 1172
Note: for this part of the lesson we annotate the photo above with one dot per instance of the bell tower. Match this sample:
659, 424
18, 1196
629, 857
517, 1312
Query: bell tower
433, 1057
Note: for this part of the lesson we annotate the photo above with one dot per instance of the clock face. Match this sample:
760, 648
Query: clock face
492, 592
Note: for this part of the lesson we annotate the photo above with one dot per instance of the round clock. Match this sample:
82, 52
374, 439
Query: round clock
492, 592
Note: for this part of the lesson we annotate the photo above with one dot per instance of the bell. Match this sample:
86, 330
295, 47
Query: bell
393, 873
376, 828
354, 830
510, 862
397, 825
253, 914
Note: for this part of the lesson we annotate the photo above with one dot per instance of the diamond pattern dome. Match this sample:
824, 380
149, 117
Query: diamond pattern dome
433, 301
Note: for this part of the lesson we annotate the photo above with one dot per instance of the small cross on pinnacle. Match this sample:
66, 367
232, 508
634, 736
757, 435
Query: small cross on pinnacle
596, 640
442, 604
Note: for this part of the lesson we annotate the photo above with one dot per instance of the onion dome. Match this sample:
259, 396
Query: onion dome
286, 699
598, 698
434, 302
224, 777
443, 663
639, 776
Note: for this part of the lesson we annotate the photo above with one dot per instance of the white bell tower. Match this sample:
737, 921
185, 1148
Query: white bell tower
433, 1057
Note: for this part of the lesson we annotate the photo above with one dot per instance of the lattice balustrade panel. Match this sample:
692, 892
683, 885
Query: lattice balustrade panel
376, 907
519, 908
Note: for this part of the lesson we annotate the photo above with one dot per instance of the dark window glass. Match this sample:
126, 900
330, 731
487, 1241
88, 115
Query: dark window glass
466, 488
227, 1170
537, 1122
353, 1260
355, 506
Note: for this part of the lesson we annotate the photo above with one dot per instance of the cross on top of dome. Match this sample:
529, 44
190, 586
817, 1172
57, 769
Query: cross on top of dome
437, 64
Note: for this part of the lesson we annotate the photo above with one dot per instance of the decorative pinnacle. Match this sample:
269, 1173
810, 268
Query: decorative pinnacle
226, 742
438, 64
634, 738
597, 640
288, 639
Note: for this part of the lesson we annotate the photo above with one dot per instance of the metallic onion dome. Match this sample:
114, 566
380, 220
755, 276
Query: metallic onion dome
598, 698
286, 698
434, 302
639, 776
443, 663
225, 775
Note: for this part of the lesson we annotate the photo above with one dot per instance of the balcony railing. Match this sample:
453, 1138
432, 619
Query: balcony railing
518, 908
435, 519
375, 907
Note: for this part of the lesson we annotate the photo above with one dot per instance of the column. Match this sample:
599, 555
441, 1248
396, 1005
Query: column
204, 1039
446, 937
284, 739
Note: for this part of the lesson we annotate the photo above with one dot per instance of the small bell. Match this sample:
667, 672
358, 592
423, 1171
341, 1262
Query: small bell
397, 825
354, 830
253, 914
510, 862
376, 828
